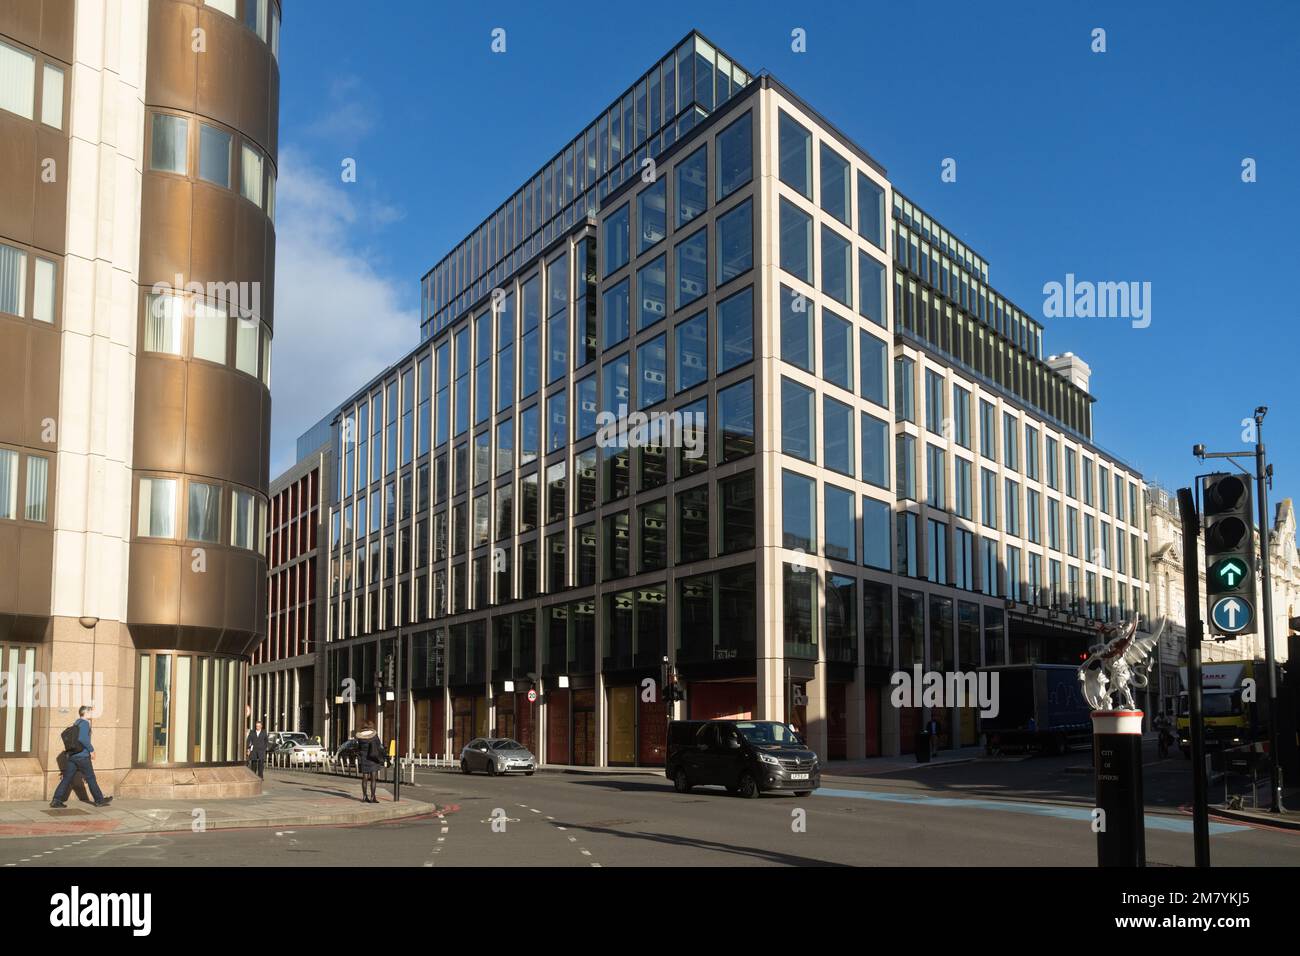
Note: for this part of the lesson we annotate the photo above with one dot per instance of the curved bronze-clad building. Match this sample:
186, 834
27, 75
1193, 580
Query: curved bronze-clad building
137, 249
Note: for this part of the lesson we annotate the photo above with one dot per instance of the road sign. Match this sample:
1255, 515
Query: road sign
1232, 615
532, 696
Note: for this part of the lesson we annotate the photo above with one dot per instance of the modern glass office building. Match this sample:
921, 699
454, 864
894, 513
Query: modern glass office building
709, 396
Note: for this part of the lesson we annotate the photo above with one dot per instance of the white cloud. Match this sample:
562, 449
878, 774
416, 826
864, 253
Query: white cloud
339, 320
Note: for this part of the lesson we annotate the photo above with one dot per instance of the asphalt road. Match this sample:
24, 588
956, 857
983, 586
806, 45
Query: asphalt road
1012, 813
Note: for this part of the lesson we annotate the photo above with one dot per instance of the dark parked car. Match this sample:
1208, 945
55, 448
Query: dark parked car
497, 755
747, 757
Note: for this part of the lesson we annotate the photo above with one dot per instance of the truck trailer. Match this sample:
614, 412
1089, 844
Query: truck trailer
1040, 709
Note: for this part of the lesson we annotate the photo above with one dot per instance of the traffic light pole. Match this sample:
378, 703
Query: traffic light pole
1266, 586
397, 720
1192, 602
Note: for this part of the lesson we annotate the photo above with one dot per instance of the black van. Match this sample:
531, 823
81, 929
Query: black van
745, 756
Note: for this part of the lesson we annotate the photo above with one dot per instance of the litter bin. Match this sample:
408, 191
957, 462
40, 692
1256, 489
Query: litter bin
923, 741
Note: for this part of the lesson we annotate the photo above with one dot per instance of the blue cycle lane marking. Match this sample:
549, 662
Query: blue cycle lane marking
1153, 821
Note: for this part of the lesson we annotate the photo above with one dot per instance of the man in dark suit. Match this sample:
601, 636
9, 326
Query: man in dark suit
257, 746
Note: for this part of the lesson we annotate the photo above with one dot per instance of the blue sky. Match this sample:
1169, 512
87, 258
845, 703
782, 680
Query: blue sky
1117, 166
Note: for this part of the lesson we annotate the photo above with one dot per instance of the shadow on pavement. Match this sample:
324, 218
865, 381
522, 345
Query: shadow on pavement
753, 853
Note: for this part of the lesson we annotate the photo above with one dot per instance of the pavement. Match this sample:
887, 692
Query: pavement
288, 799
1261, 815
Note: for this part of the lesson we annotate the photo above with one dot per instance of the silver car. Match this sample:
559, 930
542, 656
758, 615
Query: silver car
497, 755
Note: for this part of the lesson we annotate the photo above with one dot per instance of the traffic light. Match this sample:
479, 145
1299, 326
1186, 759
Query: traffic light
1229, 555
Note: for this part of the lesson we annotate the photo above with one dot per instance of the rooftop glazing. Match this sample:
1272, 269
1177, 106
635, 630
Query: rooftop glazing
661, 106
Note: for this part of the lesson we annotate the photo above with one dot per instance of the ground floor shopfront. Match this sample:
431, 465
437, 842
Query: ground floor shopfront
548, 678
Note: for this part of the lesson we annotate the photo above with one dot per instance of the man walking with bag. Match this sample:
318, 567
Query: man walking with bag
80, 756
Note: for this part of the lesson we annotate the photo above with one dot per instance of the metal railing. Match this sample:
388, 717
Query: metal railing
325, 763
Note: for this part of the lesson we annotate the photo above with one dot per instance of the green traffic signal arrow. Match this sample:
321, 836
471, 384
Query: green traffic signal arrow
1231, 573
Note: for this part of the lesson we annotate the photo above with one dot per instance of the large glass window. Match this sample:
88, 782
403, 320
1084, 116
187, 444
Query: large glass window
243, 520
616, 309
736, 420
651, 209
13, 280
905, 466
692, 185
795, 144
988, 431
8, 484
52, 96
214, 155
904, 389
836, 267
796, 241
246, 334
875, 450
46, 290
557, 430
652, 293
935, 475
989, 498
836, 184
652, 372
157, 508
735, 242
654, 535
204, 521
796, 329
837, 435
837, 350
738, 514
170, 139
961, 416
692, 265
840, 523
798, 512
962, 487
693, 524
584, 407
250, 179
692, 348
798, 420
36, 502
873, 370
557, 333
736, 330
615, 243
557, 500
876, 517
735, 157
800, 614
871, 211
871, 288
164, 323
17, 80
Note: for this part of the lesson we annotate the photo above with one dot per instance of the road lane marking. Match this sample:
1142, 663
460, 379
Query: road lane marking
1153, 821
